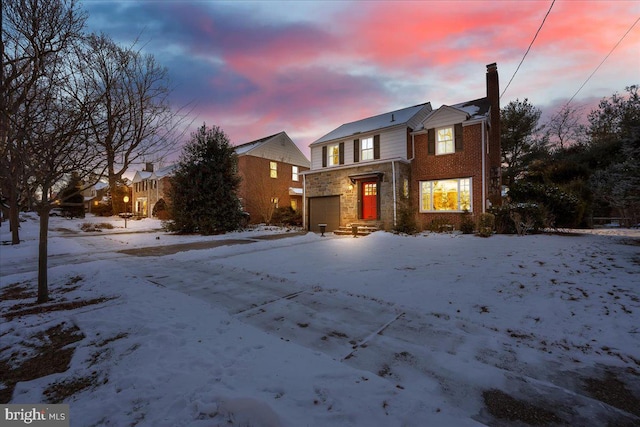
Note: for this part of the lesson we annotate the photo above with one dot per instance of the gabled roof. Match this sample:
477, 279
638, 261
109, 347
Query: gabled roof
393, 118
244, 148
478, 108
278, 147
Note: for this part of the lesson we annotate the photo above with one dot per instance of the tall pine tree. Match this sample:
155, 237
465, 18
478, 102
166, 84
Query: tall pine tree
204, 187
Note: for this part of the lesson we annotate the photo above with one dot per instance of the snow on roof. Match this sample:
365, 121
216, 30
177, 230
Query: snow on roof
392, 118
100, 185
477, 108
243, 148
167, 170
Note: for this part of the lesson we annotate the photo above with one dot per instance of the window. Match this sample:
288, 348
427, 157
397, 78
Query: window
294, 173
273, 169
366, 151
294, 204
274, 202
447, 195
333, 153
444, 141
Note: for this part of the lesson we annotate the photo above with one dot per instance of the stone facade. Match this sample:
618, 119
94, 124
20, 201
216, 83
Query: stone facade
344, 182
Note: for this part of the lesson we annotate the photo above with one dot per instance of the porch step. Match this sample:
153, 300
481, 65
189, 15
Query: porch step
363, 229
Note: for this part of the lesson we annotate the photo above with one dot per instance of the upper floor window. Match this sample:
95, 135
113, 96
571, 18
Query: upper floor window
366, 148
444, 141
333, 153
273, 169
294, 173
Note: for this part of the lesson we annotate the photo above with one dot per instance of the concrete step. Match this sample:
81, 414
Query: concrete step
362, 230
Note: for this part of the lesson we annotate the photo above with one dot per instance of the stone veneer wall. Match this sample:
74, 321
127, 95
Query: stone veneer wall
336, 182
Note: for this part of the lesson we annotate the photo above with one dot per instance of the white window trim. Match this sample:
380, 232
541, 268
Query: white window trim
447, 179
453, 140
295, 173
367, 150
330, 157
273, 169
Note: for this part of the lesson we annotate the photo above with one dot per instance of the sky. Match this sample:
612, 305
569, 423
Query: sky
233, 336
256, 68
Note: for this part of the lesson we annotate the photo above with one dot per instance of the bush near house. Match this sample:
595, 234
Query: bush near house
102, 209
466, 223
287, 216
486, 224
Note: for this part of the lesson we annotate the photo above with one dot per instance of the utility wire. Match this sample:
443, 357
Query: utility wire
528, 49
605, 58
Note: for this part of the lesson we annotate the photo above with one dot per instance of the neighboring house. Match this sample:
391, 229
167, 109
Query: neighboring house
437, 163
271, 169
150, 187
95, 194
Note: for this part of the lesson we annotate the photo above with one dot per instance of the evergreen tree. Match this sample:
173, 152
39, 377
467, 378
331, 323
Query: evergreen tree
519, 146
71, 199
204, 187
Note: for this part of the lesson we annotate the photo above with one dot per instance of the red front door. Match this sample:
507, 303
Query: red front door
369, 191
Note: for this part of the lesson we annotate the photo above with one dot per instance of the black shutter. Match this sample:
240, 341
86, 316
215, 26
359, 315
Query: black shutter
324, 156
431, 141
356, 150
458, 136
341, 150
376, 146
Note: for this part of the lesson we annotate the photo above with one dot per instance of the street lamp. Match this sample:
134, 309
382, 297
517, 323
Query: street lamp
126, 213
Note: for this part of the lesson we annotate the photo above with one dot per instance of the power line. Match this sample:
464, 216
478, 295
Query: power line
605, 58
529, 48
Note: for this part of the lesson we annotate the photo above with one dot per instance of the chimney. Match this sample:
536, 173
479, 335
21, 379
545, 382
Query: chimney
493, 95
148, 167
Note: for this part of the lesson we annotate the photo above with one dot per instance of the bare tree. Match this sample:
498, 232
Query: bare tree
564, 128
133, 120
35, 35
45, 133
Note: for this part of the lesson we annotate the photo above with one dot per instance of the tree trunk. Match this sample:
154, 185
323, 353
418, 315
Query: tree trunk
43, 285
14, 215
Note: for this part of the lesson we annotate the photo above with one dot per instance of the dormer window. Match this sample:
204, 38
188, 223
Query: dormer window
445, 141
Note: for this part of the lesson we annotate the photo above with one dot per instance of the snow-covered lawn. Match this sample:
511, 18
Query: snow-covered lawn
385, 330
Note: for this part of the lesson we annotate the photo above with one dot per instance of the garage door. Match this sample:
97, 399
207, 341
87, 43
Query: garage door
324, 210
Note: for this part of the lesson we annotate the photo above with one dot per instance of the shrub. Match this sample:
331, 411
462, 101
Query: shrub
521, 218
102, 210
406, 221
88, 226
466, 223
438, 225
287, 216
486, 224
562, 206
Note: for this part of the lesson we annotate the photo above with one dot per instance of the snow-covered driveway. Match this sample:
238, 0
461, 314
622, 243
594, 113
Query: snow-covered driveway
446, 317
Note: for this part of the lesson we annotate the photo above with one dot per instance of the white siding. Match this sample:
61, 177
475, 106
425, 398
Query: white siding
280, 149
444, 117
393, 145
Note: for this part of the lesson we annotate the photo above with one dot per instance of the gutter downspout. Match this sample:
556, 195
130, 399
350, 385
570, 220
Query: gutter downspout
393, 173
304, 202
484, 176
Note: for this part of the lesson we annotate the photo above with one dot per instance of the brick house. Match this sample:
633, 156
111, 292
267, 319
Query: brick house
436, 163
150, 187
271, 170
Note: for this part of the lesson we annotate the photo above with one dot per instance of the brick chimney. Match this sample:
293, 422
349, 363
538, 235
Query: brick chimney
493, 94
